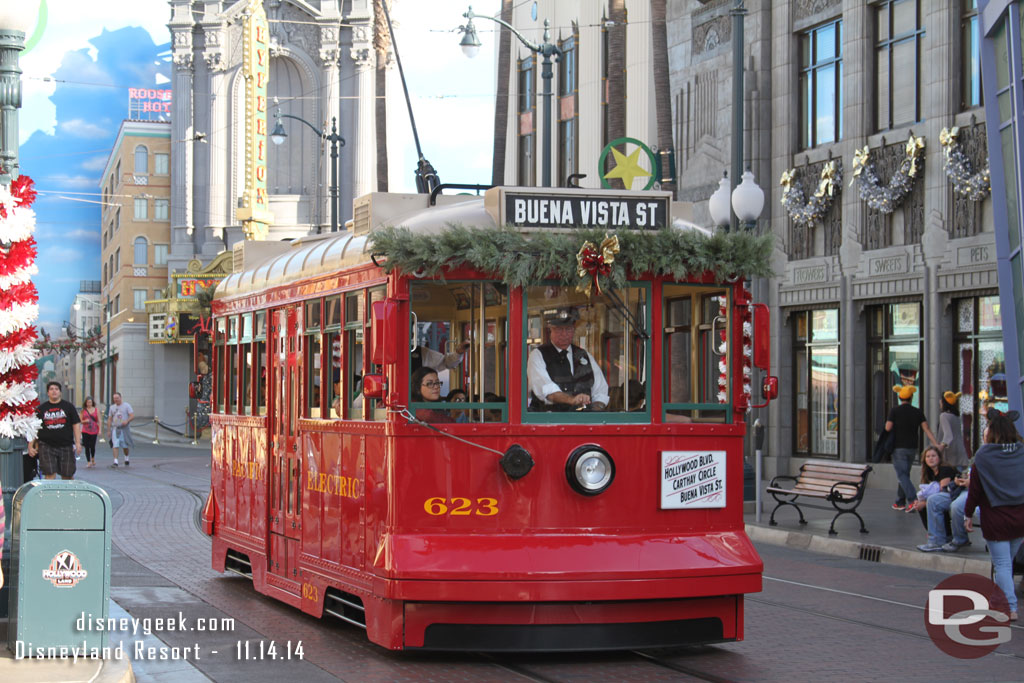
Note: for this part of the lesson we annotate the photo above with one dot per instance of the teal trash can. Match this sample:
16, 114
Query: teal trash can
60, 566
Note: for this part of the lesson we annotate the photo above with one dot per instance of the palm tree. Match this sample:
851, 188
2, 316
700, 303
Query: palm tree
382, 46
616, 68
662, 99
501, 99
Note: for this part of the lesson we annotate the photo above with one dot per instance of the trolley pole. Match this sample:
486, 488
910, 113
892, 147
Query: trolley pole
156, 430
758, 467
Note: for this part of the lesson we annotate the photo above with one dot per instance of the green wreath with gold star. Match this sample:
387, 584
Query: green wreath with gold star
627, 167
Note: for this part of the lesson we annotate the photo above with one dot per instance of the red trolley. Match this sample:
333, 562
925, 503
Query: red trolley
533, 514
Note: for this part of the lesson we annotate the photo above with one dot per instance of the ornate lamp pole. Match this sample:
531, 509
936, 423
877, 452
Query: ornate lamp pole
471, 46
15, 20
278, 136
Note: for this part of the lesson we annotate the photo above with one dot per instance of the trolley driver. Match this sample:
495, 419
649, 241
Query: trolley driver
564, 376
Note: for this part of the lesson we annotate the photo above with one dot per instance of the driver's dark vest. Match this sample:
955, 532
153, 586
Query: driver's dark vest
579, 380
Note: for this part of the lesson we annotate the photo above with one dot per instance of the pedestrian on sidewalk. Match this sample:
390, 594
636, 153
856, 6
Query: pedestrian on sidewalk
118, 419
59, 440
90, 429
997, 488
903, 422
951, 434
945, 509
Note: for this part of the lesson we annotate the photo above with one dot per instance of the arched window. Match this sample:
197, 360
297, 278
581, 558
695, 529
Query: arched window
141, 258
141, 160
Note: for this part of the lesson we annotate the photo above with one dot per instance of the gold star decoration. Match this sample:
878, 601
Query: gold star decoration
627, 168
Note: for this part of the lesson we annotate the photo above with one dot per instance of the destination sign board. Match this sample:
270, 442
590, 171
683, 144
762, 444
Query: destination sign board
542, 209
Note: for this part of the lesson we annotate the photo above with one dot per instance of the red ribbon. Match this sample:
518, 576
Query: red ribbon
593, 262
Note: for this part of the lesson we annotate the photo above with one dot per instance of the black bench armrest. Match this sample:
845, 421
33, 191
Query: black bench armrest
836, 495
781, 477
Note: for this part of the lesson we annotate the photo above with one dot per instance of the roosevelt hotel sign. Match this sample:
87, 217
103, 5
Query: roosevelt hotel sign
537, 208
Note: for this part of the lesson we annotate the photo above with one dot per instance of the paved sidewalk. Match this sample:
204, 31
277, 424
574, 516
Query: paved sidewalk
64, 670
892, 538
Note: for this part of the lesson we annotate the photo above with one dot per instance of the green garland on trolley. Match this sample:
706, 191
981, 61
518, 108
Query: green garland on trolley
523, 259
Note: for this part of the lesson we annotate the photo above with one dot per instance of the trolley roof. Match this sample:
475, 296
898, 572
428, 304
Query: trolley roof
269, 264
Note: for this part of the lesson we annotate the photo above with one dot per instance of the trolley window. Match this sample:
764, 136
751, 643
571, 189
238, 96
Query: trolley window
313, 375
376, 408
459, 349
220, 339
696, 348
586, 359
355, 309
259, 363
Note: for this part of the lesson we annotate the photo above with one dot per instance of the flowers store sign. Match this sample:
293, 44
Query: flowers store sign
547, 209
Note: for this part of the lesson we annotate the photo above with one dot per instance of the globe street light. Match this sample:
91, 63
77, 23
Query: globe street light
746, 202
470, 44
16, 18
278, 136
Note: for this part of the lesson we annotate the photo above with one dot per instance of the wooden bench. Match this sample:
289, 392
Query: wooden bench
840, 483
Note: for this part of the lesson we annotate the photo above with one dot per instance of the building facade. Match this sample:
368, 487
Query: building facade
585, 116
86, 317
313, 60
136, 243
885, 255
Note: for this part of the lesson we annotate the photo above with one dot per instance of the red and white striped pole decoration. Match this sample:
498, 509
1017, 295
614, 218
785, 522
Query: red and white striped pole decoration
19, 309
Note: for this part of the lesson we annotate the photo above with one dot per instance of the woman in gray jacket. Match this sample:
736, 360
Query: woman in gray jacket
950, 432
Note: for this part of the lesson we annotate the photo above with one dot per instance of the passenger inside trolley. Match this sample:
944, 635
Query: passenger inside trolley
426, 387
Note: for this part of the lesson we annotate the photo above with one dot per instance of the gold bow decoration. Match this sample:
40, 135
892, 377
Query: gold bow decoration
860, 160
828, 180
914, 148
787, 178
947, 138
595, 261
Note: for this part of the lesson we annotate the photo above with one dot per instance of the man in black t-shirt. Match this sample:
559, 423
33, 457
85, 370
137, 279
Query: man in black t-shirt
903, 422
60, 438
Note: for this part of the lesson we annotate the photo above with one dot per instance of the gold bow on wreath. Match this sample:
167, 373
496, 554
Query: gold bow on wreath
860, 160
828, 180
595, 261
948, 136
914, 148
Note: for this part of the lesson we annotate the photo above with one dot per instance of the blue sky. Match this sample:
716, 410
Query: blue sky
75, 84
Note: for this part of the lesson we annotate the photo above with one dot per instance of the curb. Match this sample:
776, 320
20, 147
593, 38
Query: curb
946, 563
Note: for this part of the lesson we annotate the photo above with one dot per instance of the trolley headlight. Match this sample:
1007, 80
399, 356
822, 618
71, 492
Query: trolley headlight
590, 470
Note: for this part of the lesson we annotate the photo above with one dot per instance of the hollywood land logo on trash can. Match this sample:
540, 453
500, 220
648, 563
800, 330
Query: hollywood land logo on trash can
967, 616
65, 571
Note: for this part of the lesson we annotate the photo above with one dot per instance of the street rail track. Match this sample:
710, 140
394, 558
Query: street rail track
677, 660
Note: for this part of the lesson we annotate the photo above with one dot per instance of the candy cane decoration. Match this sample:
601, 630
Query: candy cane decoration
19, 309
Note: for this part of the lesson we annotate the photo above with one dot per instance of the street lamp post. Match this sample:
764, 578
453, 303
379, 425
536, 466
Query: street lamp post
106, 362
15, 20
278, 136
471, 46
738, 13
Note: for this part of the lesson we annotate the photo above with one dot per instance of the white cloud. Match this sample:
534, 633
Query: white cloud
60, 254
95, 164
70, 26
65, 181
92, 235
84, 129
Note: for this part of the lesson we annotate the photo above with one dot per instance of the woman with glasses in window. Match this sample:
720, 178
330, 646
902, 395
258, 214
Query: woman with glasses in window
426, 387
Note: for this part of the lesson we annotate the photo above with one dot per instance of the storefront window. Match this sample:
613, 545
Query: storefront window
981, 365
894, 358
816, 370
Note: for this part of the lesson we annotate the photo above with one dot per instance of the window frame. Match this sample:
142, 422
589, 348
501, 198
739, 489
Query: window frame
887, 46
145, 160
808, 84
602, 417
140, 241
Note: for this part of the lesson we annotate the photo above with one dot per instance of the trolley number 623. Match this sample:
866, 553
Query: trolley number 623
483, 507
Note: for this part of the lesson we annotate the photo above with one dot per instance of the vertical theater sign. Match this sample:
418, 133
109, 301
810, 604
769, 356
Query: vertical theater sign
254, 207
